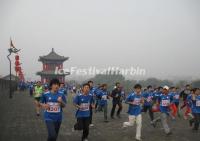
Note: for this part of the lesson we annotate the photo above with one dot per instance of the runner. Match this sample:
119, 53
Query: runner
83, 102
184, 95
103, 104
135, 100
156, 107
52, 102
175, 96
190, 106
148, 102
97, 99
157, 93
92, 92
31, 88
164, 101
46, 87
195, 104
74, 92
63, 89
172, 106
116, 95
38, 90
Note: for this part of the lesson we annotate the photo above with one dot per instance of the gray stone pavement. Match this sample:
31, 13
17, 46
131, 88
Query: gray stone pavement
18, 122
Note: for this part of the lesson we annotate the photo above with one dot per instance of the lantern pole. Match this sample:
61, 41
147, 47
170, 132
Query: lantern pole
11, 50
10, 84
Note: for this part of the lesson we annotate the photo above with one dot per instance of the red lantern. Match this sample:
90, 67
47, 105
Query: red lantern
20, 71
16, 57
17, 68
17, 63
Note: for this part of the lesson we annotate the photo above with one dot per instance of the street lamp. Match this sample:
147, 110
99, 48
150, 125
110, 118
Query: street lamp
11, 50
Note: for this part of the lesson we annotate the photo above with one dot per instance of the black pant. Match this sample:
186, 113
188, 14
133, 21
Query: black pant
91, 115
104, 108
148, 108
115, 103
53, 129
31, 92
196, 120
83, 124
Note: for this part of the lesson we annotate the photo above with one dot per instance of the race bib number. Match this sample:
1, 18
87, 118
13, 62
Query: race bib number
149, 99
104, 97
198, 103
85, 107
137, 101
165, 103
54, 107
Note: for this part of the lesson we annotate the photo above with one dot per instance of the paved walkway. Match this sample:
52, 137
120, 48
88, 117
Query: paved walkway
18, 122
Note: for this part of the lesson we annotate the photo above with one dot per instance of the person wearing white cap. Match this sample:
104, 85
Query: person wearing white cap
164, 101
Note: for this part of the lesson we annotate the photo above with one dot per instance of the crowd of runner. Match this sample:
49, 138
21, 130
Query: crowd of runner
167, 102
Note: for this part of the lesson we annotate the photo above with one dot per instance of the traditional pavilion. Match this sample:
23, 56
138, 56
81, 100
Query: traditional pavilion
50, 63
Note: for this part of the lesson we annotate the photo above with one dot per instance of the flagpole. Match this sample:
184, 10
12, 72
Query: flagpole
11, 50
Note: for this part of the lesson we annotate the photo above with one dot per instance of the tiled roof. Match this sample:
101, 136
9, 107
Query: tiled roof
53, 56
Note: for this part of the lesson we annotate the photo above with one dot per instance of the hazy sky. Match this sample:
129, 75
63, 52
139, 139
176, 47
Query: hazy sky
162, 36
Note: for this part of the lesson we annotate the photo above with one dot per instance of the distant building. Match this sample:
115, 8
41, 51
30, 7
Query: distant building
50, 62
13, 77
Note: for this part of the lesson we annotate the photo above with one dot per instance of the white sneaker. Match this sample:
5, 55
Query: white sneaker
85, 140
124, 125
91, 125
137, 139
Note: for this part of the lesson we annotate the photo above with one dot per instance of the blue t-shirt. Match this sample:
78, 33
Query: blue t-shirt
135, 108
97, 91
156, 95
196, 105
164, 101
84, 101
175, 97
103, 95
55, 111
31, 87
92, 90
171, 94
189, 100
63, 91
148, 98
